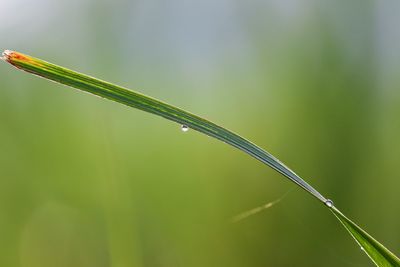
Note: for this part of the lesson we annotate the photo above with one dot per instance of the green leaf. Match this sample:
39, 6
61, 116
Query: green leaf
377, 252
151, 105
380, 255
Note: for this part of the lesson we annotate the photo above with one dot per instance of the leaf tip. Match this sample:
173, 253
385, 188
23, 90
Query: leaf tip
6, 55
17, 59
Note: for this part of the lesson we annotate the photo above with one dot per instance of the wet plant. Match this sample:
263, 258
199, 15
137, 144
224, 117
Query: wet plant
380, 255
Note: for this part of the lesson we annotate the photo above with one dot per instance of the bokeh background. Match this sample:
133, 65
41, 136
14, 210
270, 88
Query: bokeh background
88, 182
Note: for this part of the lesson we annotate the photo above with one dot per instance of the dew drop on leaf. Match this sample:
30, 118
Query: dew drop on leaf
184, 128
329, 203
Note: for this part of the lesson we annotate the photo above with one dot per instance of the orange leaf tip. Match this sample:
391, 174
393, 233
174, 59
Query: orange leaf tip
6, 55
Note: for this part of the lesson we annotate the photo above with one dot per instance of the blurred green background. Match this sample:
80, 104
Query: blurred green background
88, 182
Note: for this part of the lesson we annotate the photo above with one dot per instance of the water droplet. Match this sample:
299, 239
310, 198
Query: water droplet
329, 203
184, 128
362, 248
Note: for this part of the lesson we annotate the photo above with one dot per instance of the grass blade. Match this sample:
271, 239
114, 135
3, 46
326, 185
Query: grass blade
151, 105
381, 256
